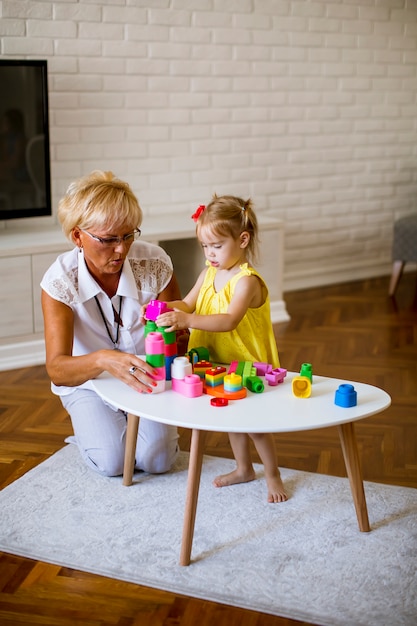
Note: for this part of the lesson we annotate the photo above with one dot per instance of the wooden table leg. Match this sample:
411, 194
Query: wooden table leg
130, 450
193, 484
351, 456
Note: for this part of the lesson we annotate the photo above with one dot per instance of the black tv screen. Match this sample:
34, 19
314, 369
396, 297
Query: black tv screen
25, 179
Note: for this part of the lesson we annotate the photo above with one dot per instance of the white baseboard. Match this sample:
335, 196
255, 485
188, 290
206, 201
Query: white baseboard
25, 354
279, 312
334, 275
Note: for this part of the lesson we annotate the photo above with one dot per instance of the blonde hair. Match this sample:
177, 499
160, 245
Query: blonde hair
230, 216
96, 201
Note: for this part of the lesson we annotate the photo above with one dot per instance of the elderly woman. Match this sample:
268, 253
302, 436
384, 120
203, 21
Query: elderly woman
92, 298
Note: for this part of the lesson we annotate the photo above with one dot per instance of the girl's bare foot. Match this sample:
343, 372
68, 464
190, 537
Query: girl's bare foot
233, 478
276, 489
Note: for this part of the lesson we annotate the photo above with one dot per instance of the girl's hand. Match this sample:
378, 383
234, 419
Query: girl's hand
173, 320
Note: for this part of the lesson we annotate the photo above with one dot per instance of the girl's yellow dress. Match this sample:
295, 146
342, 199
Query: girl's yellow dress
252, 340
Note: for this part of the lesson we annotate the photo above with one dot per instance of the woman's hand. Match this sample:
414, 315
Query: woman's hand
130, 369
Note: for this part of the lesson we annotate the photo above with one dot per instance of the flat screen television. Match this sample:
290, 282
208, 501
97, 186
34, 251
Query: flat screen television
25, 179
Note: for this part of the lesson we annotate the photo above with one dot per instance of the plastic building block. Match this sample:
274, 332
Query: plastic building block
219, 392
150, 327
233, 367
191, 386
156, 360
154, 343
183, 379
262, 368
170, 349
229, 386
198, 354
307, 370
219, 402
239, 368
169, 337
159, 348
168, 365
255, 384
215, 376
156, 308
201, 368
154, 348
301, 387
275, 376
159, 378
248, 370
245, 369
181, 367
232, 382
346, 396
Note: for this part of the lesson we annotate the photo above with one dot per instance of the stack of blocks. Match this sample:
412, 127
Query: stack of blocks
201, 368
153, 310
183, 379
215, 376
154, 347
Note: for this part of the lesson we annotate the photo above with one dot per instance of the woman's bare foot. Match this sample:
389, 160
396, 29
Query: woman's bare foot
233, 478
276, 489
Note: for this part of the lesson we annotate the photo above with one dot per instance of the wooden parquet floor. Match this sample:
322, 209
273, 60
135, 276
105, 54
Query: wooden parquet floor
351, 331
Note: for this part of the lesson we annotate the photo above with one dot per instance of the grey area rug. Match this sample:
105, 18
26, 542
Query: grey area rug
304, 559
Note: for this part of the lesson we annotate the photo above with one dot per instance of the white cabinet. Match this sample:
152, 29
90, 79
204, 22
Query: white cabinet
26, 254
16, 308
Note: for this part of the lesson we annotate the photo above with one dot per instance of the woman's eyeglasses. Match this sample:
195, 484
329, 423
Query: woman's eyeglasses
115, 241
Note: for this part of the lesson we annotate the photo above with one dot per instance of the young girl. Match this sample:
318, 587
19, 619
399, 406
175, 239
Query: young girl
228, 312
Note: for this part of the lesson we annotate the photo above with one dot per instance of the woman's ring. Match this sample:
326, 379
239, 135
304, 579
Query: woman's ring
132, 370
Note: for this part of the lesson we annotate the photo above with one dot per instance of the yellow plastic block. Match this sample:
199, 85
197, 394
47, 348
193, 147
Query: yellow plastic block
301, 387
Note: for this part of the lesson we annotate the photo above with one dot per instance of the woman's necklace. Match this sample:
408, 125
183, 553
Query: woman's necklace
115, 342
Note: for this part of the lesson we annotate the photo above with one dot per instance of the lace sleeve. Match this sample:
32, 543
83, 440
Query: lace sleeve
64, 288
151, 275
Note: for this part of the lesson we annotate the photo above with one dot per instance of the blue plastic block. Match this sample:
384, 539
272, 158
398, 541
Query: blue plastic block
345, 396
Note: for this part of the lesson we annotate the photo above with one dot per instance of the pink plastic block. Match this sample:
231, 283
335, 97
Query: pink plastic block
191, 386
262, 368
233, 367
156, 308
275, 376
154, 343
159, 379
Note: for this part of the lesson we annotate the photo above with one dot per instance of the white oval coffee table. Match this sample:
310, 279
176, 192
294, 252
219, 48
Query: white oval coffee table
275, 410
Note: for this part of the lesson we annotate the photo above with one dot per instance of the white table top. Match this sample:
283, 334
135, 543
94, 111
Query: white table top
274, 410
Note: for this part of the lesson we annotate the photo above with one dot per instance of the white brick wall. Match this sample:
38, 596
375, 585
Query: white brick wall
308, 107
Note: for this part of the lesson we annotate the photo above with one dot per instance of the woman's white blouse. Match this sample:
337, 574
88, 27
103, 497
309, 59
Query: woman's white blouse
146, 272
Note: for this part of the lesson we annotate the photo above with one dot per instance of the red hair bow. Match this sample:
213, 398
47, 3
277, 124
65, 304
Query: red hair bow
199, 211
